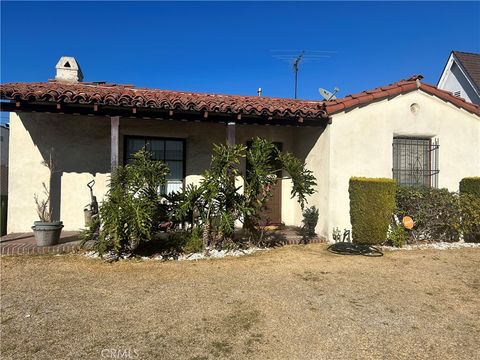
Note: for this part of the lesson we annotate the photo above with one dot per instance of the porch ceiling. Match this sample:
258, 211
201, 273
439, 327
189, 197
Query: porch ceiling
127, 101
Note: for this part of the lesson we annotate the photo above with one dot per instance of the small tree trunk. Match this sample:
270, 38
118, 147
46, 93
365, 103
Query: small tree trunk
206, 234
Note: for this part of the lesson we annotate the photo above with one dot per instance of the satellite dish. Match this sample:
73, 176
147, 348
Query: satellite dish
327, 95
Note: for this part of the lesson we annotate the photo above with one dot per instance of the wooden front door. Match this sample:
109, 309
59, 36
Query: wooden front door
272, 210
271, 213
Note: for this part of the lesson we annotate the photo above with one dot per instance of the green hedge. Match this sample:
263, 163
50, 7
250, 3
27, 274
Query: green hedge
372, 202
470, 185
470, 200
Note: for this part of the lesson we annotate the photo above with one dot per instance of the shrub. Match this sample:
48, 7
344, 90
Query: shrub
470, 204
372, 202
217, 200
435, 212
310, 220
131, 211
470, 212
470, 185
397, 236
194, 242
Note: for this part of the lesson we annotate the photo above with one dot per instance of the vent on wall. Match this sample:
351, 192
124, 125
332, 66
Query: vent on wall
457, 93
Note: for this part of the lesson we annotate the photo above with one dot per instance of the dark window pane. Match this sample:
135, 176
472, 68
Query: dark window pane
176, 170
134, 145
173, 150
156, 147
169, 151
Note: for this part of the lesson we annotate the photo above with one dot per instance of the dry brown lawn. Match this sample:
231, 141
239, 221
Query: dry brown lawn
295, 302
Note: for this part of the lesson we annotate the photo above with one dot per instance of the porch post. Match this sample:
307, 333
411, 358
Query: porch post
114, 125
231, 133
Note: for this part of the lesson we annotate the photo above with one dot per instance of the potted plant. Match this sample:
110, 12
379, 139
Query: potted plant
46, 230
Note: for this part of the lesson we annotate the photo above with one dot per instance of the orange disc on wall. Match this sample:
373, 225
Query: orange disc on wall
407, 222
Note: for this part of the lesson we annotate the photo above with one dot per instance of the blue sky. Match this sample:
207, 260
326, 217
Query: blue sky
226, 47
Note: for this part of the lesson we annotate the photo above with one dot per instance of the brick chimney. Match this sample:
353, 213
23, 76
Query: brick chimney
68, 70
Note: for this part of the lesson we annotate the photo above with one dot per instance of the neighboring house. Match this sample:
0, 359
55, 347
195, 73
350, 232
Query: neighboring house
408, 130
4, 134
461, 76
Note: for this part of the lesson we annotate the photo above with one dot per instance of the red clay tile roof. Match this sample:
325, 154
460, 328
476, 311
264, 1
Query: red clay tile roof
471, 63
401, 87
127, 96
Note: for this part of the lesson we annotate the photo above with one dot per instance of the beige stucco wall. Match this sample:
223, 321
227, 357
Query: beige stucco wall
82, 147
361, 143
314, 145
82, 150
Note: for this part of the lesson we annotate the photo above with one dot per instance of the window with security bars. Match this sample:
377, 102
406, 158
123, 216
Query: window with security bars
415, 161
170, 151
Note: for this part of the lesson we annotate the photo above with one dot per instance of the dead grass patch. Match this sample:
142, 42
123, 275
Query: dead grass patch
295, 302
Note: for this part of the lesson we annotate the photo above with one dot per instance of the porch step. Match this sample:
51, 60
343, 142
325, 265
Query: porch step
24, 243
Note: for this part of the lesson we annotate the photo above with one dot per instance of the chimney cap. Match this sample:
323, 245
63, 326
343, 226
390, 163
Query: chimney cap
68, 70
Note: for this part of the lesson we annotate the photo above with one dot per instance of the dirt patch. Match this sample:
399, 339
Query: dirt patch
295, 302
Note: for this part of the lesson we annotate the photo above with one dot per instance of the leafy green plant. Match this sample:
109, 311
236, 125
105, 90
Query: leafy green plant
223, 203
397, 236
186, 205
310, 220
218, 203
436, 213
91, 232
303, 180
372, 202
131, 213
194, 242
258, 182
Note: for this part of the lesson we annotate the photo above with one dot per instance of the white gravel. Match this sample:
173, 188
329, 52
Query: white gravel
215, 254
211, 254
92, 254
435, 245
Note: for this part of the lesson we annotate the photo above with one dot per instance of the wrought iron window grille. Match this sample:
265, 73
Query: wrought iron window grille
415, 161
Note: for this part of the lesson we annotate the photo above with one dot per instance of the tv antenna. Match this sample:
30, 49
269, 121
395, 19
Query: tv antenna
295, 69
294, 57
327, 95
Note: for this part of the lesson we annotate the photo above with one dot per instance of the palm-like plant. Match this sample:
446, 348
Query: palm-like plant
131, 211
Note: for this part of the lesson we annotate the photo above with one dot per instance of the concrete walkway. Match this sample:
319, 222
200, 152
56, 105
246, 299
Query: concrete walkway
24, 243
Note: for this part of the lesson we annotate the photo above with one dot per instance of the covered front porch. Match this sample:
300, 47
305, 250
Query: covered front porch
91, 140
